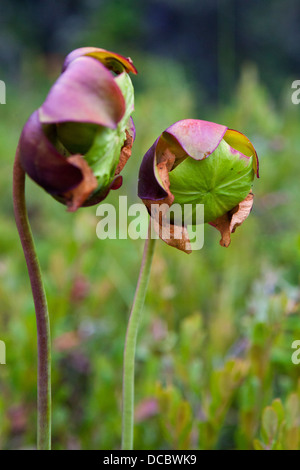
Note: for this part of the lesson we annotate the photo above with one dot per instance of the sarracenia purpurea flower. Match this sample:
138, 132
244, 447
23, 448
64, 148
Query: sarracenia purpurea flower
199, 162
78, 141
74, 146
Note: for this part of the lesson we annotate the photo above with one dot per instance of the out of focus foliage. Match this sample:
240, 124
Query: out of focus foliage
214, 368
211, 38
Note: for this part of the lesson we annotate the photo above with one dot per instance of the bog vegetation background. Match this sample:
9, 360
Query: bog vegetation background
214, 366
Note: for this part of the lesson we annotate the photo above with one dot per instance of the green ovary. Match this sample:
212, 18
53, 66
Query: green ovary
220, 182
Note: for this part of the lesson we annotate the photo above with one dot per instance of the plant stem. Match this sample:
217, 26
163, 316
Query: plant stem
41, 309
130, 343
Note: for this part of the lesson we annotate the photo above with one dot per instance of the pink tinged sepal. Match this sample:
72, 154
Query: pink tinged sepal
197, 138
87, 93
42, 162
110, 59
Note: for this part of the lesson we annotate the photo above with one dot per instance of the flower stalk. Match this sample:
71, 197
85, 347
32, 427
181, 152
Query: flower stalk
41, 309
130, 343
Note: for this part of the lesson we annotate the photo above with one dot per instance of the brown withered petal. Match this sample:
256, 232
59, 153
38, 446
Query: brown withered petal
164, 165
43, 163
127, 147
228, 223
100, 195
76, 197
163, 168
173, 235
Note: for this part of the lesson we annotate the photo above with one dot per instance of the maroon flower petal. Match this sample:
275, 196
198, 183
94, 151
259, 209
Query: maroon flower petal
148, 184
197, 138
85, 92
109, 59
40, 159
117, 183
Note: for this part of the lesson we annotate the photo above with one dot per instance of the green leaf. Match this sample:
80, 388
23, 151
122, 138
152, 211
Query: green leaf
269, 423
292, 410
279, 409
258, 445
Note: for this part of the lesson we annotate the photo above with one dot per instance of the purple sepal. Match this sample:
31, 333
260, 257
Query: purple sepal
148, 186
42, 162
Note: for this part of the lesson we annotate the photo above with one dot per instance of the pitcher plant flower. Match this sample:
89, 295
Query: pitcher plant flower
192, 162
199, 162
76, 144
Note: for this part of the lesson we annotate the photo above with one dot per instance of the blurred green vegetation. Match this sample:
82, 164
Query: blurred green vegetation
214, 367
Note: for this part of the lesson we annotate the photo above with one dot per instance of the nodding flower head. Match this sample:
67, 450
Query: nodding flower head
199, 162
78, 141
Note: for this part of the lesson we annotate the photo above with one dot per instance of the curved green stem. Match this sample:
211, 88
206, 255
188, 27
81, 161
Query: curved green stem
130, 343
41, 309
